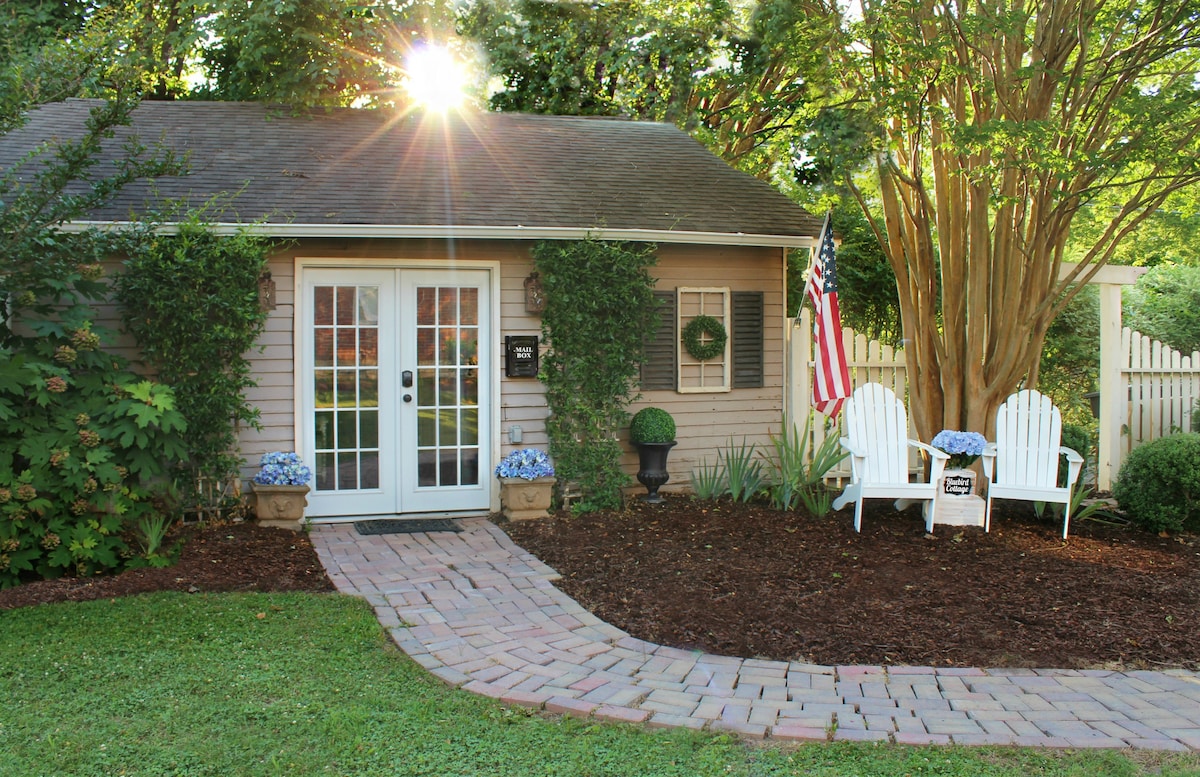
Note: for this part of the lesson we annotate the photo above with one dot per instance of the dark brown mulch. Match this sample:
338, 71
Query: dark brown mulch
749, 581
746, 580
229, 557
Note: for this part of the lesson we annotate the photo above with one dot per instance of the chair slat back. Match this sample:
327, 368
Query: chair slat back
1028, 435
877, 424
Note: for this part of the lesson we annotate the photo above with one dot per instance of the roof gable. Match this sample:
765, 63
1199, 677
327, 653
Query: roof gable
334, 170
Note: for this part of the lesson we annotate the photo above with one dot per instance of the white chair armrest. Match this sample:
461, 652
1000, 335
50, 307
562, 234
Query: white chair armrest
1074, 464
845, 441
989, 459
937, 459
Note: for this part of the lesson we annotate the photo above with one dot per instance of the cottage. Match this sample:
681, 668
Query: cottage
408, 269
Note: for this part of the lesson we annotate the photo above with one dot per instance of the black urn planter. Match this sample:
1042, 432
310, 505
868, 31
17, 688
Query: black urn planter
652, 468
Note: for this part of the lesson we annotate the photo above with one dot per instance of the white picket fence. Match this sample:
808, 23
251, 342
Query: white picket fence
1163, 386
1160, 386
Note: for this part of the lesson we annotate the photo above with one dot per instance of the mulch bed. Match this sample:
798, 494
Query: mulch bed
223, 557
748, 581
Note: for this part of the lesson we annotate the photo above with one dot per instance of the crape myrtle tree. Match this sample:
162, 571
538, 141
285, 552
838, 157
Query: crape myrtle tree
991, 126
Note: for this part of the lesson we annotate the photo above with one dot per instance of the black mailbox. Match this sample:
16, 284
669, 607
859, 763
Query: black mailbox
521, 356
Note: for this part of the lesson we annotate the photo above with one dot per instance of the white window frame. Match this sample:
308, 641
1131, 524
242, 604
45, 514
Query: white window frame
698, 370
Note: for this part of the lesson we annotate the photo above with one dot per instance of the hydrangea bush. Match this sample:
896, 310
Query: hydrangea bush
963, 447
528, 464
283, 469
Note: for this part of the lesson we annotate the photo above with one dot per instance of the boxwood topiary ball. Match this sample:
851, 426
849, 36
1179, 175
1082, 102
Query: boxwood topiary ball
652, 424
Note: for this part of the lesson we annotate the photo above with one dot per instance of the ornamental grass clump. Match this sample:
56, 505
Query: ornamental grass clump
962, 447
282, 469
527, 464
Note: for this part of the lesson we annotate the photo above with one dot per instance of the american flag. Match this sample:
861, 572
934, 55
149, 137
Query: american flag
831, 376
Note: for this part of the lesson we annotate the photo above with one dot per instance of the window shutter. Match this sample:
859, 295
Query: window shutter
659, 370
747, 337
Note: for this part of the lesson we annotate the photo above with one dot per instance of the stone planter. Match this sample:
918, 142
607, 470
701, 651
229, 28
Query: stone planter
281, 506
957, 503
523, 500
652, 468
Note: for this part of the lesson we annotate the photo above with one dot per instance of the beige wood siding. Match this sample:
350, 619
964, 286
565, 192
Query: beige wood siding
707, 422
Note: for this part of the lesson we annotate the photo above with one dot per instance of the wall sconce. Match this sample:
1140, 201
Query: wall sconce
535, 295
266, 291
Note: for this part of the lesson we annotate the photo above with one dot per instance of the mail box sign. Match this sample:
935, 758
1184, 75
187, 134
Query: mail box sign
521, 356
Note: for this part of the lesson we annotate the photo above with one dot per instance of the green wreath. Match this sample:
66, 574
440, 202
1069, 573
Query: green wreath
704, 325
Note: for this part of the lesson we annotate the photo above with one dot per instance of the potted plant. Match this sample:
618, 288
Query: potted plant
526, 484
963, 448
281, 490
652, 431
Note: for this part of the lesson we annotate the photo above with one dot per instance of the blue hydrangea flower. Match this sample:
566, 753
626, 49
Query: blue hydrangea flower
282, 469
527, 463
963, 447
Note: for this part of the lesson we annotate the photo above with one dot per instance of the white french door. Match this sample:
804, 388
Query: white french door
395, 389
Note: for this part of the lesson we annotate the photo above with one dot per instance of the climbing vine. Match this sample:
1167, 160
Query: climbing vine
599, 307
191, 301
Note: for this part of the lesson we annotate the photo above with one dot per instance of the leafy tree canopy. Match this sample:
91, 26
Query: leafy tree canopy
989, 127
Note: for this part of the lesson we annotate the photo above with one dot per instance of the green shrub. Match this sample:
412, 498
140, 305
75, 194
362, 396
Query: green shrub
652, 424
1079, 439
1158, 486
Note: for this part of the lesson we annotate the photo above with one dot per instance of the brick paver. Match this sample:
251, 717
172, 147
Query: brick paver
483, 615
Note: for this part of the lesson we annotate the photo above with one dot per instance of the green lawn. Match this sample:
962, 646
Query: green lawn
309, 684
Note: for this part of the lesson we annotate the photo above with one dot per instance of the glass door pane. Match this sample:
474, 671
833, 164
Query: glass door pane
345, 387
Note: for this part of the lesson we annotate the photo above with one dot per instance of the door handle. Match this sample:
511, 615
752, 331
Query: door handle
406, 378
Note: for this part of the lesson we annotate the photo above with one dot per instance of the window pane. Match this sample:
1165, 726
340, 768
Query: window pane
326, 471
347, 429
448, 428
447, 388
368, 388
370, 470
347, 471
448, 355
447, 307
426, 428
323, 427
347, 348
368, 305
323, 306
323, 388
426, 347
347, 385
468, 347
469, 392
469, 428
344, 315
426, 306
425, 387
449, 469
470, 466
427, 468
469, 307
323, 347
368, 347
368, 429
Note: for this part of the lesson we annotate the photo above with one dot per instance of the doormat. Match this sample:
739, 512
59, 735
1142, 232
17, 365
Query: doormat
409, 526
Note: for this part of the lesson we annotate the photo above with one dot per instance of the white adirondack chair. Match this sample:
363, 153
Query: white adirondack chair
1023, 462
876, 436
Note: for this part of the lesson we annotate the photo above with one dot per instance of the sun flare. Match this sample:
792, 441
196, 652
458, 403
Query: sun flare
434, 79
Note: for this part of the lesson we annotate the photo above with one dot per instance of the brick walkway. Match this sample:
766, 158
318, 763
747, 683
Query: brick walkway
482, 614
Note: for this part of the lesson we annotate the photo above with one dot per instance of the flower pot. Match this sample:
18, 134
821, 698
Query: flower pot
652, 468
523, 500
957, 504
281, 506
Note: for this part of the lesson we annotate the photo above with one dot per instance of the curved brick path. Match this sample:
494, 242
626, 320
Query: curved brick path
482, 614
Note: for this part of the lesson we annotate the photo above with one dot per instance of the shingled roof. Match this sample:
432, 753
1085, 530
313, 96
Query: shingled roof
353, 172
